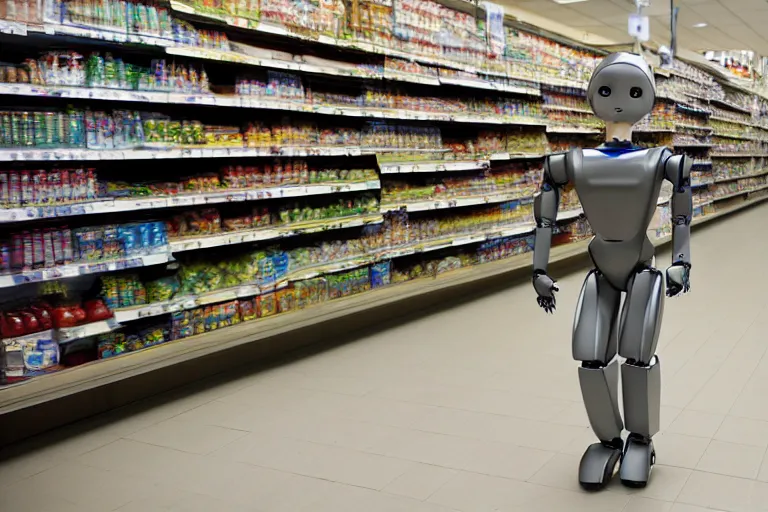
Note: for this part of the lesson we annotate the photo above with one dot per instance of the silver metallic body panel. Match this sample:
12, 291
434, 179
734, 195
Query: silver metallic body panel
619, 194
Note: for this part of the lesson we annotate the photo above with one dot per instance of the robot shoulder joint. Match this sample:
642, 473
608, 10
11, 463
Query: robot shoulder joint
558, 167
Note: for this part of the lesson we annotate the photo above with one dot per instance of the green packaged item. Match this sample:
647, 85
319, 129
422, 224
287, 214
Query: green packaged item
162, 290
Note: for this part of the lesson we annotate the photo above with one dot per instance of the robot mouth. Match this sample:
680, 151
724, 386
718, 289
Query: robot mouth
619, 109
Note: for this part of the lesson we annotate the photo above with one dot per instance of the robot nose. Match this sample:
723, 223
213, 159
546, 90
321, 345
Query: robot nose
619, 109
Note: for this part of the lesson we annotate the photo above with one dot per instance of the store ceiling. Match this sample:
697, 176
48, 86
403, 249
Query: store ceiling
730, 24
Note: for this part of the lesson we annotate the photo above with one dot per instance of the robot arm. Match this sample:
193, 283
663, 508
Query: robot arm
677, 170
545, 205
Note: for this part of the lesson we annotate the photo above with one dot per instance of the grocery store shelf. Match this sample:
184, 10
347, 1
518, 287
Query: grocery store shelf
273, 233
70, 334
189, 302
742, 177
734, 121
693, 145
732, 106
651, 129
572, 130
251, 102
458, 202
738, 155
735, 136
490, 85
94, 375
515, 156
563, 108
441, 166
693, 127
739, 193
81, 269
168, 152
100, 34
107, 206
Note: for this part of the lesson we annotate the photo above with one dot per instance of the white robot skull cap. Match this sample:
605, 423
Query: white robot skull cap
622, 88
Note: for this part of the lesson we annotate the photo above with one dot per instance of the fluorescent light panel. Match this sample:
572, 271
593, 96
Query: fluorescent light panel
563, 2
700, 25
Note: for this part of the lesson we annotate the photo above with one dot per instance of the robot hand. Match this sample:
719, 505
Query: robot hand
678, 278
545, 288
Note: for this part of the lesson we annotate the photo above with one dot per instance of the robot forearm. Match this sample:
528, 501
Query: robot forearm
545, 204
681, 239
678, 170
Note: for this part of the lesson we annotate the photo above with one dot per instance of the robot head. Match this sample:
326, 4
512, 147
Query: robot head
622, 89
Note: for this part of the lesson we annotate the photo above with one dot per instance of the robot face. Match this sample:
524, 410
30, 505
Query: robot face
622, 89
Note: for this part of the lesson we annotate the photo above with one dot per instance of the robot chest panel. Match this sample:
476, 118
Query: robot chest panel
618, 194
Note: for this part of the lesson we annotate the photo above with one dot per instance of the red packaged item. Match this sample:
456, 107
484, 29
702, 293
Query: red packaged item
96, 310
31, 325
63, 317
42, 312
12, 325
79, 314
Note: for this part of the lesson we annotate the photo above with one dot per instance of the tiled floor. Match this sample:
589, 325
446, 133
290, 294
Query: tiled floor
476, 409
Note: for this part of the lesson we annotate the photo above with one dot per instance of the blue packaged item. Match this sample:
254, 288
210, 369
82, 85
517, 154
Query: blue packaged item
145, 229
281, 263
111, 243
158, 237
128, 236
88, 244
380, 274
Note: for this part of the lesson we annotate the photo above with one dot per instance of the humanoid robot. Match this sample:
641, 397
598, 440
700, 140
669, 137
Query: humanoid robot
618, 185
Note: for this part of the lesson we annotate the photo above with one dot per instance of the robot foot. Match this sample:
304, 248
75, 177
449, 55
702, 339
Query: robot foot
639, 458
598, 464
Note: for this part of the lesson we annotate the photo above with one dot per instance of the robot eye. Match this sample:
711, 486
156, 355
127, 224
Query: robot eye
635, 92
604, 91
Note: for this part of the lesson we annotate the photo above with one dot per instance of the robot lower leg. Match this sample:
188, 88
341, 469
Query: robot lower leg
641, 373
595, 344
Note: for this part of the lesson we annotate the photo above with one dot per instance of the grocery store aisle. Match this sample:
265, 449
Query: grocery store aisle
472, 409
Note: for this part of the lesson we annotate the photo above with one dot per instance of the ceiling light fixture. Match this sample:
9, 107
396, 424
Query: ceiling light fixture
563, 2
700, 25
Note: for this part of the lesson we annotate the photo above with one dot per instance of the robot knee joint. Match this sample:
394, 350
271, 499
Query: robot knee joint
654, 359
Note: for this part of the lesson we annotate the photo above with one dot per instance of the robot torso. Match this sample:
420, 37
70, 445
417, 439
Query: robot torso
619, 191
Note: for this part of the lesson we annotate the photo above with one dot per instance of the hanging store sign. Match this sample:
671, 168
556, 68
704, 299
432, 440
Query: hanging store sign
494, 27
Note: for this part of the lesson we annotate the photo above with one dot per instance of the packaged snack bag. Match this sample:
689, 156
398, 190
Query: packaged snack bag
267, 305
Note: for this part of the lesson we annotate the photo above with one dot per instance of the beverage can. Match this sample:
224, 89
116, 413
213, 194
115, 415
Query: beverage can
66, 245
49, 255
38, 249
5, 257
58, 247
4, 192
17, 252
25, 187
28, 252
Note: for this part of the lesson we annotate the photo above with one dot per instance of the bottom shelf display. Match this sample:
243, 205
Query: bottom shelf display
158, 318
